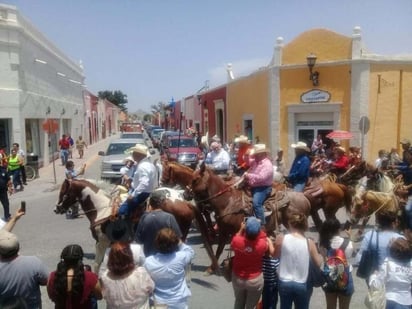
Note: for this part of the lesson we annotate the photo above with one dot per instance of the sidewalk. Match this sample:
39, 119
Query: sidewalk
46, 183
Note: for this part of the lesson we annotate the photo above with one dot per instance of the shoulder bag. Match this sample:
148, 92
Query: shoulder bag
226, 267
370, 259
316, 277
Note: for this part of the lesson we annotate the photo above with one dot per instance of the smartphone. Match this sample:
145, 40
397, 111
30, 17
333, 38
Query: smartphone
23, 206
245, 219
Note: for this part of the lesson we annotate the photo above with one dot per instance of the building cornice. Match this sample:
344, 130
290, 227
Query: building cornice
26, 29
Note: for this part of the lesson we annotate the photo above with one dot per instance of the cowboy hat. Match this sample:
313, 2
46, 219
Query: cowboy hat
405, 141
242, 139
300, 145
129, 158
260, 148
341, 149
139, 148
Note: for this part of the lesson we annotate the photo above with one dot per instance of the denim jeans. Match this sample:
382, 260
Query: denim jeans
4, 199
408, 213
129, 206
299, 187
16, 178
259, 196
291, 292
390, 304
270, 296
64, 155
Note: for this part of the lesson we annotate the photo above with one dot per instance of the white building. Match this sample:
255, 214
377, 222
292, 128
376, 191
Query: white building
37, 82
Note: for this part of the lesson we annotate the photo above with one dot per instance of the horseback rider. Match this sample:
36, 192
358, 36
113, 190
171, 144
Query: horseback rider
143, 182
299, 172
341, 162
218, 159
242, 162
405, 167
71, 174
260, 177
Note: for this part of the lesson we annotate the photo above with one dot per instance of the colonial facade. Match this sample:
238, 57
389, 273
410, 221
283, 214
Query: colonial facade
40, 85
284, 102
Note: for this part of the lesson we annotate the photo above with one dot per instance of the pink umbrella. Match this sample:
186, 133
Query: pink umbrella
338, 134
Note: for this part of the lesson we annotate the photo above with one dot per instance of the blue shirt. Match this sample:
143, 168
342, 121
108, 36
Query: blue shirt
168, 274
299, 172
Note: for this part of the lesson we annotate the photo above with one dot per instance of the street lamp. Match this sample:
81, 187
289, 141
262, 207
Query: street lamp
313, 75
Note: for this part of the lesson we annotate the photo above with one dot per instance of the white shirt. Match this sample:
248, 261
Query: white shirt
218, 160
138, 257
145, 177
294, 259
397, 278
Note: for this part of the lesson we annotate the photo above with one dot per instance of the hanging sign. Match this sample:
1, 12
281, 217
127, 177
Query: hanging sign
315, 96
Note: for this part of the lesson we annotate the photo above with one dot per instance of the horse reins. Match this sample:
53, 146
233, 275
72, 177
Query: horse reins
221, 191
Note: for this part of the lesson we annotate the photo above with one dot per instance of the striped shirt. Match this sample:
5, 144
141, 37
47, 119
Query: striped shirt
270, 267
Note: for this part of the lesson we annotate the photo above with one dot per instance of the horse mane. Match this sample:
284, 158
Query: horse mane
181, 166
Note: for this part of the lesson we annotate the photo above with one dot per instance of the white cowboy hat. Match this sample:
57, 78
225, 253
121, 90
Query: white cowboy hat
216, 138
300, 145
242, 139
260, 148
139, 148
205, 140
129, 158
340, 148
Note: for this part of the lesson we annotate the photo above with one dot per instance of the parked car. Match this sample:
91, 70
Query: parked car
135, 135
113, 157
184, 150
156, 137
150, 128
164, 138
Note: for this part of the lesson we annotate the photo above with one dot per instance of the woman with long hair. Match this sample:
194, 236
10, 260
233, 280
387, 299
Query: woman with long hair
71, 286
124, 284
330, 239
294, 251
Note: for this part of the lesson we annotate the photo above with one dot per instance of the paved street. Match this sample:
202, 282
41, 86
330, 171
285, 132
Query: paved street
43, 233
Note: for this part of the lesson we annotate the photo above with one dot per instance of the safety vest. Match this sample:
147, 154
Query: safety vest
13, 163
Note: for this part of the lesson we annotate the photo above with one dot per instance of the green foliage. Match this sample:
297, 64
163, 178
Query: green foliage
117, 97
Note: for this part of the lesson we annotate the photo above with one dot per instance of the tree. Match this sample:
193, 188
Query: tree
158, 111
117, 97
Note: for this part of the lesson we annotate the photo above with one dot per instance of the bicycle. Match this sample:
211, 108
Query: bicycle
30, 172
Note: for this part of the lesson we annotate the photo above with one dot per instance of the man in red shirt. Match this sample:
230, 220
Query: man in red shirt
341, 163
64, 145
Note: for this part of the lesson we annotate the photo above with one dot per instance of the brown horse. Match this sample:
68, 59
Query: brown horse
231, 205
174, 173
328, 195
96, 205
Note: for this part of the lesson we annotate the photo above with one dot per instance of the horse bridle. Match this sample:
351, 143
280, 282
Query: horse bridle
220, 192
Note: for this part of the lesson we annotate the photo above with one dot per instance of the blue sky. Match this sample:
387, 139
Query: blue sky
154, 50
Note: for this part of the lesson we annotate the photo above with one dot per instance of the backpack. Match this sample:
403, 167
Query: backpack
336, 269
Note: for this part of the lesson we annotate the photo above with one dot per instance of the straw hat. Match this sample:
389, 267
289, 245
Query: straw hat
260, 148
139, 148
129, 158
242, 139
340, 149
300, 145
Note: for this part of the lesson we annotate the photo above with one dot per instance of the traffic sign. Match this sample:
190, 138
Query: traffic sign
364, 124
50, 126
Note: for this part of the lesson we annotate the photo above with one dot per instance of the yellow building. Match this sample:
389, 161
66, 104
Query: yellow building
284, 102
